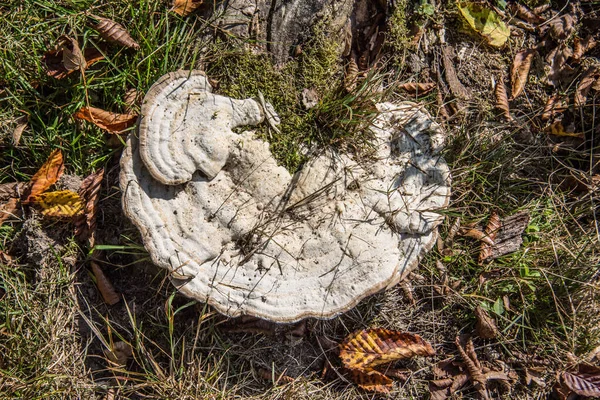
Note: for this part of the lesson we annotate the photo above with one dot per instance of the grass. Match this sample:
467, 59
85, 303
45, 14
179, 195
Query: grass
55, 328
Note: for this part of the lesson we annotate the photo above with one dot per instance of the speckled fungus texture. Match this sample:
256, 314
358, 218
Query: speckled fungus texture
240, 232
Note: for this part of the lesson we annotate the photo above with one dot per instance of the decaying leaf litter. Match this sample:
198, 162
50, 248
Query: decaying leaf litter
558, 41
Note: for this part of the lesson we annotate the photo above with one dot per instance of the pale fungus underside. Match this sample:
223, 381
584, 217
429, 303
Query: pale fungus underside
244, 235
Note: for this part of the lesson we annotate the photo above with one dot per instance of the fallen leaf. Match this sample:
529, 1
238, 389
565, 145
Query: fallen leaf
351, 75
85, 224
107, 290
477, 234
557, 129
417, 88
9, 209
109, 121
485, 326
584, 383
559, 70
114, 32
72, 57
526, 14
12, 189
131, 98
18, 131
596, 85
269, 375
485, 22
520, 71
553, 106
53, 60
534, 375
561, 28
186, 7
582, 46
585, 84
46, 176
502, 99
491, 230
372, 347
59, 204
371, 380
118, 355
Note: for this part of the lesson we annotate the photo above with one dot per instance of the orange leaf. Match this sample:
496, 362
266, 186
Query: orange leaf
107, 290
371, 380
520, 71
557, 129
417, 88
371, 347
186, 7
109, 121
114, 32
46, 176
477, 234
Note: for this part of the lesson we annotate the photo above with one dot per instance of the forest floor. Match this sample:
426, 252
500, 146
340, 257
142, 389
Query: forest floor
532, 161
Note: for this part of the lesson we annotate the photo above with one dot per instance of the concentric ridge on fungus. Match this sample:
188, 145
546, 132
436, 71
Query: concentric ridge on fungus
214, 207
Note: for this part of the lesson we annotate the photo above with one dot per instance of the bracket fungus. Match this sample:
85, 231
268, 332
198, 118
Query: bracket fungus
240, 232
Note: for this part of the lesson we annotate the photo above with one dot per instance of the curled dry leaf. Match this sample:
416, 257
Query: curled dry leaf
553, 106
351, 75
118, 355
502, 99
372, 347
557, 129
59, 204
561, 28
85, 224
371, 380
53, 60
46, 176
582, 46
520, 71
106, 289
557, 60
19, 128
72, 57
485, 326
114, 32
525, 13
477, 234
417, 88
109, 121
10, 209
534, 375
186, 7
584, 85
584, 383
491, 230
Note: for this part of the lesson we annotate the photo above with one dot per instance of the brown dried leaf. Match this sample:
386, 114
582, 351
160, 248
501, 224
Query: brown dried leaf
85, 224
534, 375
371, 380
53, 61
491, 230
12, 189
584, 383
502, 99
582, 46
485, 326
107, 290
559, 70
72, 57
520, 71
186, 7
131, 98
372, 347
18, 131
118, 355
419, 89
109, 121
9, 209
114, 32
477, 234
557, 129
523, 12
351, 75
561, 28
584, 86
59, 204
553, 106
46, 176
269, 375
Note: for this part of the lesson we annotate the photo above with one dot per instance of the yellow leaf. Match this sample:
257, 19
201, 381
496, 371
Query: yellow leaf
485, 22
371, 380
368, 348
63, 203
557, 129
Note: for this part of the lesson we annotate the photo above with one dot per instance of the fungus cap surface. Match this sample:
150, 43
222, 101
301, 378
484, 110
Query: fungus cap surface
241, 233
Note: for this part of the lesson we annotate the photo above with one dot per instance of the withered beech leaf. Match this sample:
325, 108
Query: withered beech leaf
485, 326
46, 176
10, 209
491, 230
351, 75
372, 347
371, 380
19, 128
520, 71
526, 14
477, 234
12, 189
582, 46
53, 60
59, 204
106, 289
584, 384
186, 7
109, 121
561, 28
502, 99
584, 85
114, 32
417, 88
553, 106
72, 57
559, 70
85, 224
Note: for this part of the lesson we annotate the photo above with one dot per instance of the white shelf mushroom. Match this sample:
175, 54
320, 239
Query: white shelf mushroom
214, 207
